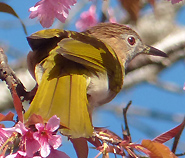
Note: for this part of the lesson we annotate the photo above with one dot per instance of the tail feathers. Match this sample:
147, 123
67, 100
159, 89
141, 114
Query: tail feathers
65, 97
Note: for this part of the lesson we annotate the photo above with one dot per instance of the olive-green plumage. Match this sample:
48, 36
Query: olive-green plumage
78, 71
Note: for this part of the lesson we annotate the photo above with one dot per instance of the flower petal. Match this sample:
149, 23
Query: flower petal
39, 126
55, 141
45, 149
34, 12
53, 123
18, 154
11, 155
87, 18
5, 133
32, 146
48, 10
175, 1
57, 154
20, 128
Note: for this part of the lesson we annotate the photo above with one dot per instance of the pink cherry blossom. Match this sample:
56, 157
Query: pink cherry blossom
48, 10
184, 87
21, 154
112, 18
29, 144
5, 133
46, 135
20, 128
57, 154
18, 154
87, 19
174, 1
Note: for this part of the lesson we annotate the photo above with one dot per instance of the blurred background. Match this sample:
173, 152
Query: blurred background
153, 84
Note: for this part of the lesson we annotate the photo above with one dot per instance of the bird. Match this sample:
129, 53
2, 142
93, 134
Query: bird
78, 71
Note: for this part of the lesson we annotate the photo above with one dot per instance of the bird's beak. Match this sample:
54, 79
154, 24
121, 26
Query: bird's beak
153, 51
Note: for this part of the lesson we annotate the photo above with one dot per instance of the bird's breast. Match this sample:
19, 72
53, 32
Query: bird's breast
98, 91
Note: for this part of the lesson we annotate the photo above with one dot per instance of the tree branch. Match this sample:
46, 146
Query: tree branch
8, 75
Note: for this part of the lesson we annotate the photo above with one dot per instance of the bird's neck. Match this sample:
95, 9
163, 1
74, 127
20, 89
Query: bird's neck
120, 49
118, 46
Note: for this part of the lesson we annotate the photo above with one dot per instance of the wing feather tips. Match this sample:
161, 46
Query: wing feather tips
79, 118
65, 97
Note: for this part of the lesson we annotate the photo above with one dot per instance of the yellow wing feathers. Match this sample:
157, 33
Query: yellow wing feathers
62, 92
94, 54
68, 61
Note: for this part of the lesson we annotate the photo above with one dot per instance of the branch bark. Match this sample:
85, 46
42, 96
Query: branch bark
11, 79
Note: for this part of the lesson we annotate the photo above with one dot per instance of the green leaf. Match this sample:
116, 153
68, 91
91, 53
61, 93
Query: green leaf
8, 9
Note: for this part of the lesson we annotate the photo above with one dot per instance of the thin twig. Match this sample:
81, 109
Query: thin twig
126, 131
182, 154
177, 138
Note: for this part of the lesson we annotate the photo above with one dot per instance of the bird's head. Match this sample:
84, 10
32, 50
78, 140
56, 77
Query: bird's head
124, 40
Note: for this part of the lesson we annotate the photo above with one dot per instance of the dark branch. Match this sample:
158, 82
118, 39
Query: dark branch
9, 76
126, 131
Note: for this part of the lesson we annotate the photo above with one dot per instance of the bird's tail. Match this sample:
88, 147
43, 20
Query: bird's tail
64, 96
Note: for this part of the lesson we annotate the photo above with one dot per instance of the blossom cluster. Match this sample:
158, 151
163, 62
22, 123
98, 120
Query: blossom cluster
48, 10
38, 141
175, 1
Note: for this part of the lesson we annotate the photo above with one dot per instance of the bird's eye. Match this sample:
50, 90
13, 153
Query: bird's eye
131, 40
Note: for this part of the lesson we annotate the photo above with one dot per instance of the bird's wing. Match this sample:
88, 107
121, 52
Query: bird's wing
68, 57
78, 47
62, 92
41, 43
46, 38
94, 54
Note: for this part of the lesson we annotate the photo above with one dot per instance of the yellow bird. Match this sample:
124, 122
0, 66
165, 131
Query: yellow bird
76, 72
